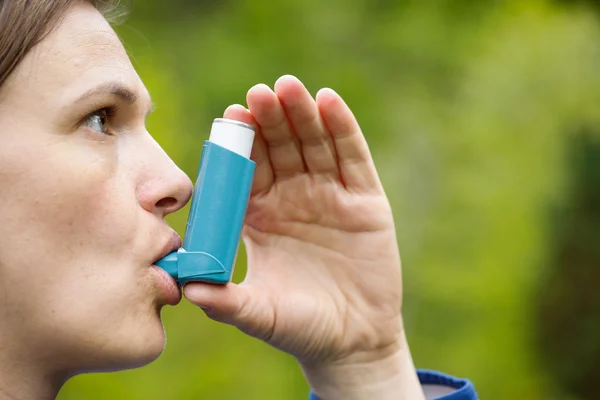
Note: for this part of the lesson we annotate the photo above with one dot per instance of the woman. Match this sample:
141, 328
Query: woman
84, 190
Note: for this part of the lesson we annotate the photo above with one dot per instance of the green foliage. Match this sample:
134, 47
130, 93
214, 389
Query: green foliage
568, 301
469, 108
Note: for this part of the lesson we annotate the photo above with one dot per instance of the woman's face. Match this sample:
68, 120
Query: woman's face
84, 190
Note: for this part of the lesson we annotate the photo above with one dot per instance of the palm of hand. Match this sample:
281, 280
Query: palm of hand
323, 277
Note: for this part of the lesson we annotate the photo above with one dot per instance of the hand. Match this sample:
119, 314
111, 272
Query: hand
324, 278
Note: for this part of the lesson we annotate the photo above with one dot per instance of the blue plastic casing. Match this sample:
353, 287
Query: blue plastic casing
216, 218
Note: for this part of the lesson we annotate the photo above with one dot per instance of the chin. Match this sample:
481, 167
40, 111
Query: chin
141, 357
144, 346
133, 348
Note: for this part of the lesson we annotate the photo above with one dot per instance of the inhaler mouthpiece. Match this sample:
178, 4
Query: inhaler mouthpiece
218, 207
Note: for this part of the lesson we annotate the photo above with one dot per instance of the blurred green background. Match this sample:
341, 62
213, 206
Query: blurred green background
484, 121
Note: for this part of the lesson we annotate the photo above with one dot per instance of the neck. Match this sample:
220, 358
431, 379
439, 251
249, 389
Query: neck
23, 377
15, 386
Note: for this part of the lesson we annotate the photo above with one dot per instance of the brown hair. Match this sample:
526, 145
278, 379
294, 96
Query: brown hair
24, 23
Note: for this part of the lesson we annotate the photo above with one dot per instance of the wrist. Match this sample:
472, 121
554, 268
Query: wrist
388, 376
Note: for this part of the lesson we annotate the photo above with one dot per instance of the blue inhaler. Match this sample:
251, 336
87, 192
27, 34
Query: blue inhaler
219, 204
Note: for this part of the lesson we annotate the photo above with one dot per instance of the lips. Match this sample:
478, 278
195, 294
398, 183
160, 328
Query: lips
172, 245
170, 293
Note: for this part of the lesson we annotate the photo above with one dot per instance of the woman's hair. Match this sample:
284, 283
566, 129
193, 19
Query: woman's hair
24, 23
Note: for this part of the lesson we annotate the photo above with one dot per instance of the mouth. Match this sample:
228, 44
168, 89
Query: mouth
172, 245
169, 290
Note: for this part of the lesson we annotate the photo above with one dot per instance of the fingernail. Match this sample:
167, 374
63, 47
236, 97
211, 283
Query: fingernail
234, 106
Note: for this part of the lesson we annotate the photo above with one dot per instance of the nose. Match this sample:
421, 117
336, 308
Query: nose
164, 187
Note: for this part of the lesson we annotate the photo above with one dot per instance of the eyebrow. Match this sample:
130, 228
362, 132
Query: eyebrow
117, 89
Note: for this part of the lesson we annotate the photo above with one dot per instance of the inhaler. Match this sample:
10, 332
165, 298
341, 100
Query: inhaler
219, 204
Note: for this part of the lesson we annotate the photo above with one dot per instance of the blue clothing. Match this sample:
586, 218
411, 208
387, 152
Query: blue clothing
464, 389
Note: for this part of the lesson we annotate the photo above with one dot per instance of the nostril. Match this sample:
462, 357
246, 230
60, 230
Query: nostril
166, 202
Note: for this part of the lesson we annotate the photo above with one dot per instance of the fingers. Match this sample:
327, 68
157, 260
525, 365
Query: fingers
263, 175
317, 146
222, 303
233, 304
282, 145
357, 169
297, 135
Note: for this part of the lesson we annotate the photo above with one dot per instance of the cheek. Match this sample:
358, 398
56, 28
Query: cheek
67, 214
73, 240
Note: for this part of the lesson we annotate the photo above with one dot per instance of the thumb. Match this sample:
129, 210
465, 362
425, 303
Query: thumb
233, 304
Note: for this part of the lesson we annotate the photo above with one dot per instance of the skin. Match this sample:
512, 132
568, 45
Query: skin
82, 207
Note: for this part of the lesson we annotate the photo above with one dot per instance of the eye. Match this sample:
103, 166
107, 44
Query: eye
99, 120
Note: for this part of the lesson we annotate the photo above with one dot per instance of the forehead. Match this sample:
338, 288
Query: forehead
81, 52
